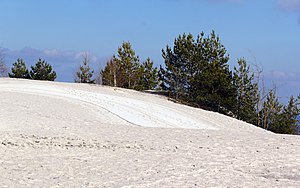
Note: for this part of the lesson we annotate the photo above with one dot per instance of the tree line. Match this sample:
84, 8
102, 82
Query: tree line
195, 72
40, 71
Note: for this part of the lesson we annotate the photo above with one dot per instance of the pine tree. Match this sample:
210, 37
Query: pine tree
288, 122
213, 81
198, 72
178, 70
271, 112
42, 71
247, 92
84, 74
126, 71
279, 118
19, 70
110, 74
129, 66
148, 76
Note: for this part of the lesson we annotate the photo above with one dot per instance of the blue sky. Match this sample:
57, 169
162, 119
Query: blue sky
263, 31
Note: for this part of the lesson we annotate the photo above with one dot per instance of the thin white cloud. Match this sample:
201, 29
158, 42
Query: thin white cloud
80, 55
281, 75
289, 5
52, 52
286, 83
49, 54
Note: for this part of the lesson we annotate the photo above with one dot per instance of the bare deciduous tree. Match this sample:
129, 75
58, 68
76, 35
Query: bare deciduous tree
3, 68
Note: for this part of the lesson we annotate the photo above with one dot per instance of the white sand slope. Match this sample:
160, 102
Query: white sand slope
75, 135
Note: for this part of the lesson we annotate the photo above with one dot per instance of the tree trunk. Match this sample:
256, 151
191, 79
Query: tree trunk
115, 79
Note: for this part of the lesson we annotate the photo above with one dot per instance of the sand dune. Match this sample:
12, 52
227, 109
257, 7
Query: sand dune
76, 135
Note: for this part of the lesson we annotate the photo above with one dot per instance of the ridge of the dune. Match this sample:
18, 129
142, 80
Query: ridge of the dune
77, 135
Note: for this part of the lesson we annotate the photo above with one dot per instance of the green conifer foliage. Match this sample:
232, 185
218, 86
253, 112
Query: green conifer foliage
271, 112
126, 71
213, 80
198, 72
247, 92
42, 71
179, 66
85, 73
279, 118
129, 66
147, 75
110, 74
19, 70
288, 122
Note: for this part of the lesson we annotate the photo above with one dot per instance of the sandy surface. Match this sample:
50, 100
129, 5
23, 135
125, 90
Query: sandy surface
75, 135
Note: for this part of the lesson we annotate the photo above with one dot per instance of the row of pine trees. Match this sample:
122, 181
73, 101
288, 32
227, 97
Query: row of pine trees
126, 71
195, 72
40, 71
